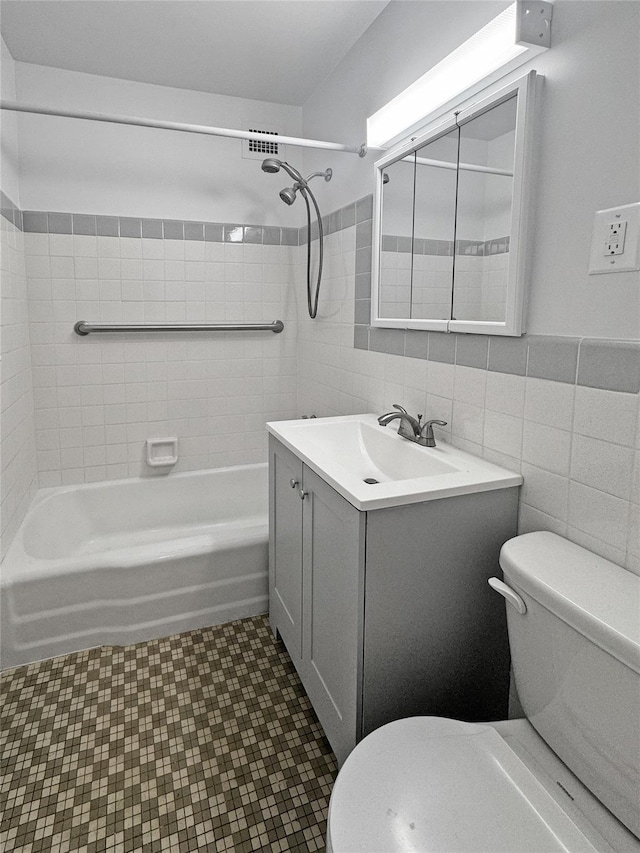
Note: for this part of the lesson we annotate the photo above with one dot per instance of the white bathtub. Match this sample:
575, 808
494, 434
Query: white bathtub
130, 560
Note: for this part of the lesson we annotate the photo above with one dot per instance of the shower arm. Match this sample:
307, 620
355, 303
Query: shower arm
327, 174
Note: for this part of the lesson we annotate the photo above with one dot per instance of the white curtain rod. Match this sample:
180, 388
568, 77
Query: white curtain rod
186, 128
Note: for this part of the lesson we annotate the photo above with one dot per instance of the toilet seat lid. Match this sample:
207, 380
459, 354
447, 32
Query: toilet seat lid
431, 784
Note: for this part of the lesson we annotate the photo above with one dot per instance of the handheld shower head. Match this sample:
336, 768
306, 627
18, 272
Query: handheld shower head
288, 195
271, 165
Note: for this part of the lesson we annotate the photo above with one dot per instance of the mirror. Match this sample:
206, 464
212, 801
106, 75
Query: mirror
450, 221
485, 192
434, 228
397, 230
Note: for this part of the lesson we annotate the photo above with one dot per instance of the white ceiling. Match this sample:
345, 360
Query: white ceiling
270, 50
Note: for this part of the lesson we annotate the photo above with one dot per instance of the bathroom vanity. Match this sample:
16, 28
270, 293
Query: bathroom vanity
379, 590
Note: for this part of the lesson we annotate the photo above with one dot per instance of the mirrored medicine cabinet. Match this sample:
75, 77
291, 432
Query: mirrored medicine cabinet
450, 230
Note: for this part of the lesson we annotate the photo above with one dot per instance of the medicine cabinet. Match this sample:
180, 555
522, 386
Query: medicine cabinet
451, 213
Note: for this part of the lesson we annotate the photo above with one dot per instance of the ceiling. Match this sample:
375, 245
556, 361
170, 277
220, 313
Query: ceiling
269, 50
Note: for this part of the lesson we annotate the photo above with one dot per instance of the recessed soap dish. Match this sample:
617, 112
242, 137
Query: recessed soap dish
162, 452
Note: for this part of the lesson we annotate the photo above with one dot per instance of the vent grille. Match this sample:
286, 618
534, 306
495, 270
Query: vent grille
259, 146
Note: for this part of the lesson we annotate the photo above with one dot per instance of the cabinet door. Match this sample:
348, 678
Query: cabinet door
285, 547
333, 560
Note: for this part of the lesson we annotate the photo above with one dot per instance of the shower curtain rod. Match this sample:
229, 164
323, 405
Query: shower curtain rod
186, 128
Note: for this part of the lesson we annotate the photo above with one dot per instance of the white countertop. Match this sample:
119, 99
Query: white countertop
346, 450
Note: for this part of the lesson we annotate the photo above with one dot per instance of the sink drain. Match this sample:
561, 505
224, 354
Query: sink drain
370, 480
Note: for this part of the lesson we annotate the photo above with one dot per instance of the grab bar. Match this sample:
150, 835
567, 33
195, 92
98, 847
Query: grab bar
83, 328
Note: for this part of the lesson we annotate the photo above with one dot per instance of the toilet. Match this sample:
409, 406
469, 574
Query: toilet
566, 778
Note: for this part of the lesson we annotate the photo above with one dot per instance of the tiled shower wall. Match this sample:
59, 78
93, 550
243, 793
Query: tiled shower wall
98, 398
18, 456
562, 411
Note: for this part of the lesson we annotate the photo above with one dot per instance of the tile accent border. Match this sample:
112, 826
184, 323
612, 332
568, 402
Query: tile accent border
595, 363
156, 229
10, 211
51, 222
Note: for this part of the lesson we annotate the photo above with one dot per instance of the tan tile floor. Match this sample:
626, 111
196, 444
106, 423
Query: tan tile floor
204, 741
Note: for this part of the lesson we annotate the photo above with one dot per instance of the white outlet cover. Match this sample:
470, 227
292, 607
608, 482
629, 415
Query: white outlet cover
628, 260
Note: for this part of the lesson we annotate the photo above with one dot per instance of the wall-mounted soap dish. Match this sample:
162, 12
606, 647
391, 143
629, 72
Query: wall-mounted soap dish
162, 452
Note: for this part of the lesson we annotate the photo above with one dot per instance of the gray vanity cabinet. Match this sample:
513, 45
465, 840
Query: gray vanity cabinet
387, 613
316, 560
285, 547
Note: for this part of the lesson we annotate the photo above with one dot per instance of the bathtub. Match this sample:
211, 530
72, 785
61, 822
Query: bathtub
131, 560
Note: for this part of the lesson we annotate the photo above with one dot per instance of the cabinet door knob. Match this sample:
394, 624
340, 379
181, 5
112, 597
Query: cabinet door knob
302, 494
294, 484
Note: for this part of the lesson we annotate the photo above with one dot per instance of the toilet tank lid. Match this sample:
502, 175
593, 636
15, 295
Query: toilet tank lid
596, 597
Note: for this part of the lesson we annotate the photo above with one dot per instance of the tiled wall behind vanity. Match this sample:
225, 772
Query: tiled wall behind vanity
563, 411
98, 398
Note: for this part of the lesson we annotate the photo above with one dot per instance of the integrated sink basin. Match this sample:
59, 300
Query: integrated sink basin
373, 467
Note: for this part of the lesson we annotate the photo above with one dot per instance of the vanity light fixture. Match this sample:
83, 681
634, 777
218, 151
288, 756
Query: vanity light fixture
508, 41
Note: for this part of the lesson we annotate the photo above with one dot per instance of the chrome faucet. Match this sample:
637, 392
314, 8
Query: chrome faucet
412, 428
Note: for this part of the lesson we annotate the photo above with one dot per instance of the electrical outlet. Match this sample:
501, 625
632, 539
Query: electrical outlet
615, 243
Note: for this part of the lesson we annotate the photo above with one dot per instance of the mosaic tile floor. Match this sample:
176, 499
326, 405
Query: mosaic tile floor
204, 741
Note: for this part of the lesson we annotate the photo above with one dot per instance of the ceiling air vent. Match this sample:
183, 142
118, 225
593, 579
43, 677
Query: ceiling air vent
257, 149
261, 147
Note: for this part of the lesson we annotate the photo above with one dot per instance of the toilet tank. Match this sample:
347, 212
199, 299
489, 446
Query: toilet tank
576, 662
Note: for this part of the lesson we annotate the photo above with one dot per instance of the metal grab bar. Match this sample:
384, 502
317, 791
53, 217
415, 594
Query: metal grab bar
82, 328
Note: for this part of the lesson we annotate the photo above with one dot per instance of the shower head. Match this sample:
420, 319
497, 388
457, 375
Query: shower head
288, 195
271, 165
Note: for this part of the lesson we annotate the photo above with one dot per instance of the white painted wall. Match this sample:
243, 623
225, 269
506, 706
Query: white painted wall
8, 127
588, 151
89, 167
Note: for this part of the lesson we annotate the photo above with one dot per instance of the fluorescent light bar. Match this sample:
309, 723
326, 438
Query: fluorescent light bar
503, 44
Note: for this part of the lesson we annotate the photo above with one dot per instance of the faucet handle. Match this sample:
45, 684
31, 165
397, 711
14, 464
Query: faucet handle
400, 408
427, 438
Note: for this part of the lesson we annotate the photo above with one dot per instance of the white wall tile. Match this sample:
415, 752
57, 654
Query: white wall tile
468, 422
104, 397
469, 385
608, 415
604, 466
505, 393
549, 403
532, 520
547, 447
441, 379
503, 432
600, 515
545, 491
595, 545
18, 459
